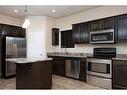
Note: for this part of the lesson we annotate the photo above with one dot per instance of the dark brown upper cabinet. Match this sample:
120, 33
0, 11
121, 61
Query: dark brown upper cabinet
102, 24
20, 32
15, 31
108, 23
7, 30
0, 29
76, 33
122, 28
66, 39
55, 36
81, 33
95, 25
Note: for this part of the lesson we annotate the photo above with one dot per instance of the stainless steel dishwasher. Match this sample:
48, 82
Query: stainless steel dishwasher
73, 68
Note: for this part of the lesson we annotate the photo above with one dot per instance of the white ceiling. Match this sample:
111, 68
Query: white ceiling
61, 11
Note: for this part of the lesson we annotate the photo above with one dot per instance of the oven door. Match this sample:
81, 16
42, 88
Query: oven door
99, 67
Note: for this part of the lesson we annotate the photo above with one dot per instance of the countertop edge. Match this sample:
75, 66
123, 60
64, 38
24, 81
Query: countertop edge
27, 60
86, 55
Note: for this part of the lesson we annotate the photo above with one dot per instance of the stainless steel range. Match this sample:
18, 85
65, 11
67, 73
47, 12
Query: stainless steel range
99, 67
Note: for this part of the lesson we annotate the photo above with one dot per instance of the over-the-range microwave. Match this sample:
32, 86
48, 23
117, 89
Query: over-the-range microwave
104, 36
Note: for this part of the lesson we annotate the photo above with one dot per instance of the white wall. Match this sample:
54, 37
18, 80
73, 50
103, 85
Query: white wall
100, 12
50, 23
38, 24
44, 25
9, 20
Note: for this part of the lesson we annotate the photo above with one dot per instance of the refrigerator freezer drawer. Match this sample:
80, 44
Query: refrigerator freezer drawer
10, 69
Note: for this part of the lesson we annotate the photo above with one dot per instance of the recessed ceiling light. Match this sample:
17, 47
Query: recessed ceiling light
15, 11
53, 11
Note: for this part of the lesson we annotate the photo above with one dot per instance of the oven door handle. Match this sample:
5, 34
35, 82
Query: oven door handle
101, 61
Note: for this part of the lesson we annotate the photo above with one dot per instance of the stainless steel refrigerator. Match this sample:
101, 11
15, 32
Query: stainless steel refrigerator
15, 48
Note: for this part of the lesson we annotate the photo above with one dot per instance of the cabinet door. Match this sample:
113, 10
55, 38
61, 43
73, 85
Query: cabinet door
59, 66
70, 43
63, 39
66, 39
18, 31
76, 33
82, 75
0, 29
21, 32
24, 76
8, 30
95, 25
42, 75
120, 74
55, 36
122, 28
108, 23
34, 75
1, 54
84, 38
81, 33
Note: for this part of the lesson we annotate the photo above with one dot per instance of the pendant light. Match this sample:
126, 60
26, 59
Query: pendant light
27, 21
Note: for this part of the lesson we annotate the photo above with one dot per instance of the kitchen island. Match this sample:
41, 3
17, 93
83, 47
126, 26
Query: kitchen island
33, 73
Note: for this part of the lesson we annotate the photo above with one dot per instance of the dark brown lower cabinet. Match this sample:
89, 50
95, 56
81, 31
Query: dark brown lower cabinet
58, 66
82, 75
119, 74
36, 75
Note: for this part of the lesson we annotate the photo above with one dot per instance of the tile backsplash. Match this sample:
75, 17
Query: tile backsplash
88, 48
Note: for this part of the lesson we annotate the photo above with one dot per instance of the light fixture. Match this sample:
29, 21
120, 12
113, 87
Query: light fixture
53, 11
15, 11
27, 21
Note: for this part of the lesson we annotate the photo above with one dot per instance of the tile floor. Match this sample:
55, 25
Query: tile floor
58, 83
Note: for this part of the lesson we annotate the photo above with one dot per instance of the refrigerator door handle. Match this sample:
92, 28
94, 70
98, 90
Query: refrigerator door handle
15, 49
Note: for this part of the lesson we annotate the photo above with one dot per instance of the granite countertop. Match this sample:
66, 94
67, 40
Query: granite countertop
27, 60
69, 54
84, 55
120, 57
